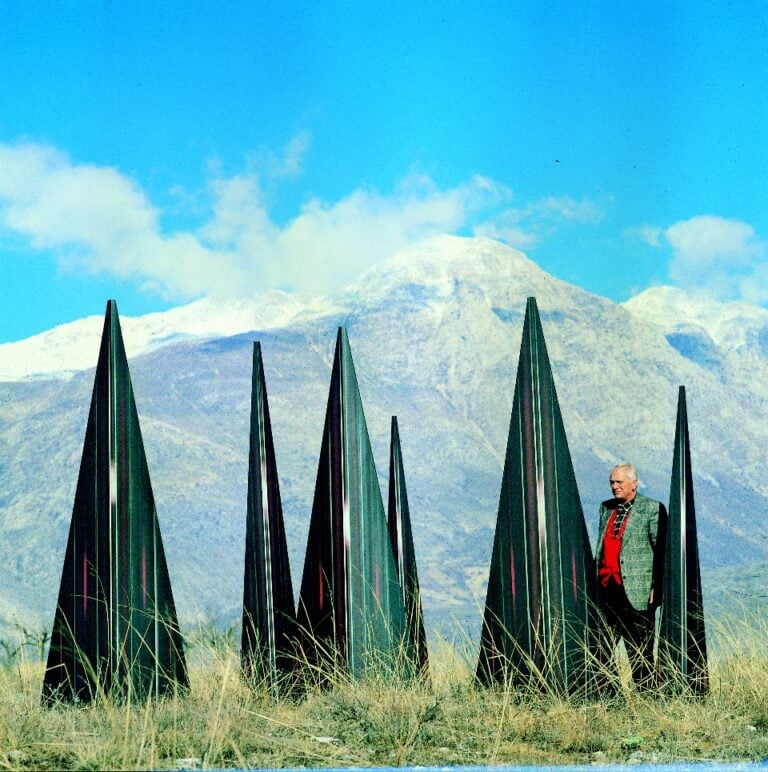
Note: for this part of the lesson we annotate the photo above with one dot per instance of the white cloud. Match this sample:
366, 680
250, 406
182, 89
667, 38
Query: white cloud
720, 257
96, 219
327, 245
710, 241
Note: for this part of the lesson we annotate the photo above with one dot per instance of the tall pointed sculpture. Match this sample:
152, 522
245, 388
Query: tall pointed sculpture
682, 640
115, 629
351, 612
401, 537
540, 600
269, 621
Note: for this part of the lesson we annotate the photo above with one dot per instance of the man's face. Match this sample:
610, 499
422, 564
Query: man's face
622, 487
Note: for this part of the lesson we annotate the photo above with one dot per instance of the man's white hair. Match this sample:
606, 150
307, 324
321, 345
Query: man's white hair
630, 470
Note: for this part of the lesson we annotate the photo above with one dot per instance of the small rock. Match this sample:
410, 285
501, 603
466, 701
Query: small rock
190, 763
16, 757
326, 740
636, 758
751, 728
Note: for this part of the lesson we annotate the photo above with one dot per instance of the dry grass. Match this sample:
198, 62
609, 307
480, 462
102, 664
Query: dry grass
222, 722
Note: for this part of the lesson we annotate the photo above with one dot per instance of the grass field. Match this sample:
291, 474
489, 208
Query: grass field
221, 722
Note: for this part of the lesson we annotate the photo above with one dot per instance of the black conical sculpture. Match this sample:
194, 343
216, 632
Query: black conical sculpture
269, 621
401, 537
682, 639
350, 611
115, 630
540, 602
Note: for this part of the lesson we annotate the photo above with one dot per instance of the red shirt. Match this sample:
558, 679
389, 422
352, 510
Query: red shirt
609, 564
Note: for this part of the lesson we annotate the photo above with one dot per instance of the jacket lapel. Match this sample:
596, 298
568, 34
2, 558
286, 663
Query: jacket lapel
634, 530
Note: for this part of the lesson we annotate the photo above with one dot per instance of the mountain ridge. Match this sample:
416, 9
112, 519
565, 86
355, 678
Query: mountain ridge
68, 348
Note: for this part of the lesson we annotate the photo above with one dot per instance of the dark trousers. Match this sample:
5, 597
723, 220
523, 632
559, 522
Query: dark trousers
635, 627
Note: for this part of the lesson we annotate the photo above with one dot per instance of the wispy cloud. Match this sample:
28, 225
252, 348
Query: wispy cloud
98, 220
716, 256
650, 234
523, 227
295, 150
568, 209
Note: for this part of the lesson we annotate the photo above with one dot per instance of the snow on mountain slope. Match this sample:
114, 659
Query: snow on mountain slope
71, 347
728, 325
444, 263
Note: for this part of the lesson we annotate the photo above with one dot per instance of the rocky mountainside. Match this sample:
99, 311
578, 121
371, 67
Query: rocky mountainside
435, 334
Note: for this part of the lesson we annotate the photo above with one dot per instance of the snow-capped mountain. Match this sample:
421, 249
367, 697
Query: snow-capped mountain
435, 334
68, 348
729, 325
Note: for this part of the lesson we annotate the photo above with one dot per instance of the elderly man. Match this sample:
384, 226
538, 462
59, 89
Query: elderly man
630, 562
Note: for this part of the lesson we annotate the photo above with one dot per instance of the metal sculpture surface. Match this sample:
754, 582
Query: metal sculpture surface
401, 537
682, 639
540, 603
269, 621
115, 630
350, 612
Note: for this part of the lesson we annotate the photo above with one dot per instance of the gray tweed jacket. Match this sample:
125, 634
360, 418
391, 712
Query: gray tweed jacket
642, 549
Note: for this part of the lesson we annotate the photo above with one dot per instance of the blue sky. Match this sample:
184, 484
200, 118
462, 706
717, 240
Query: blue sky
158, 152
